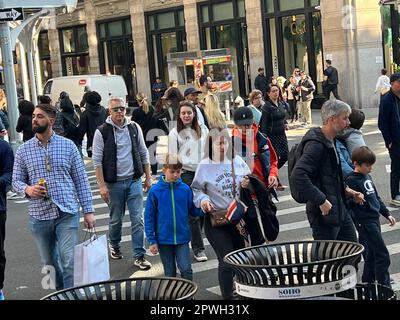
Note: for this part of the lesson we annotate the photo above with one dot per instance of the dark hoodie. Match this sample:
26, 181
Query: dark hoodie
93, 116
318, 175
373, 205
24, 123
70, 120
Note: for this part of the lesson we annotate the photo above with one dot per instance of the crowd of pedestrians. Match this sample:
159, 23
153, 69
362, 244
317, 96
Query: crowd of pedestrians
205, 170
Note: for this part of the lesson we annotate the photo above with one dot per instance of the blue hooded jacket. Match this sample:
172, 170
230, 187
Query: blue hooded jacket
166, 218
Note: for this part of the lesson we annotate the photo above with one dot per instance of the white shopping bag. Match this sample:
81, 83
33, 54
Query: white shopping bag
91, 261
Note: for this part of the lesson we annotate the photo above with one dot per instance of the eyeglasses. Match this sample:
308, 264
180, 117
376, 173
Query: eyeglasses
118, 109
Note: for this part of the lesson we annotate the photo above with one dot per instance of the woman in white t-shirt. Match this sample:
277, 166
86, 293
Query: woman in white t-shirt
212, 190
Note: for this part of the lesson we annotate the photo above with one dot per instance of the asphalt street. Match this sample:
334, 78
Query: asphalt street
23, 279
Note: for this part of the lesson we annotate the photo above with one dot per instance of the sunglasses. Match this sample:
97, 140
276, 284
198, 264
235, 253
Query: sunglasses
118, 109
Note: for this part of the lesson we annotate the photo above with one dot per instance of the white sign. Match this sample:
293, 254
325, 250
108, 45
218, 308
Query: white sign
10, 14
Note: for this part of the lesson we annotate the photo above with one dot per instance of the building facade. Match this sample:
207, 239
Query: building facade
133, 38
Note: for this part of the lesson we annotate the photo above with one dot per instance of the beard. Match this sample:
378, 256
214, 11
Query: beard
40, 129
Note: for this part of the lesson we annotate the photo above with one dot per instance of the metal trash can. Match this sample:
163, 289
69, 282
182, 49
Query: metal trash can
143, 288
295, 270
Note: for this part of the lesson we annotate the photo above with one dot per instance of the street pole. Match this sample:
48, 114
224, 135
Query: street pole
9, 80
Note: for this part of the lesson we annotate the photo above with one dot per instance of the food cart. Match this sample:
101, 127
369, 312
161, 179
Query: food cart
187, 67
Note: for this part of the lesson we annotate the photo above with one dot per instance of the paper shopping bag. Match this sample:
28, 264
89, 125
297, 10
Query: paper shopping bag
91, 261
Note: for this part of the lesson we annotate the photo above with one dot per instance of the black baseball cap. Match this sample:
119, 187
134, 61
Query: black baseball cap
190, 91
395, 77
243, 116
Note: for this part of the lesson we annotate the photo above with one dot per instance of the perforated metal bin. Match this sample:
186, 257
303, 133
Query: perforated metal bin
295, 270
143, 288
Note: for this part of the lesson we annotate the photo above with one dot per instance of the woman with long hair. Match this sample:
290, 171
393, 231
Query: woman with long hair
273, 124
144, 116
187, 140
212, 190
214, 115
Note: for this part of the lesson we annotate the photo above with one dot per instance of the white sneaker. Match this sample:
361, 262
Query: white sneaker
200, 256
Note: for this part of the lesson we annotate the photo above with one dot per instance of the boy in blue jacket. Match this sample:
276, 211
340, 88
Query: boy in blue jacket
168, 205
376, 255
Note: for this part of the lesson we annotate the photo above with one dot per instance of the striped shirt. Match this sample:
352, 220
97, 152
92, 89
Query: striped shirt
61, 165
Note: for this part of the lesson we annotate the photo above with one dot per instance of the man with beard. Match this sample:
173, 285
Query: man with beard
53, 207
318, 174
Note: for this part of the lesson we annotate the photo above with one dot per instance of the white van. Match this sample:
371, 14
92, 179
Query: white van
105, 85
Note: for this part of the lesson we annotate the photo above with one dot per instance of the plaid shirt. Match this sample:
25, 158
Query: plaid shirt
65, 176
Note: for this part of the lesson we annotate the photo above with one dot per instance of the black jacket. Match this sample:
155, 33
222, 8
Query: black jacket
146, 121
267, 210
6, 168
24, 125
389, 119
318, 174
260, 83
93, 117
272, 120
373, 205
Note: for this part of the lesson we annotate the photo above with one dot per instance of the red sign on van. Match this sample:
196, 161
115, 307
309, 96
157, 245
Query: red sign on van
82, 82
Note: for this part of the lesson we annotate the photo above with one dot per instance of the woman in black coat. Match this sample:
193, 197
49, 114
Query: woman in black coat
24, 123
273, 124
93, 116
145, 117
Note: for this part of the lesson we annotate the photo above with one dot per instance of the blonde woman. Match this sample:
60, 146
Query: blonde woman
144, 117
3, 101
214, 115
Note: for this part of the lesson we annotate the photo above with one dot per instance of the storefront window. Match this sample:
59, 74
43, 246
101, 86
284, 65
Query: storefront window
74, 51
161, 40
294, 39
274, 49
269, 6
69, 41
116, 51
44, 54
318, 56
314, 3
166, 20
387, 35
77, 65
204, 14
290, 5
115, 29
222, 11
241, 8
294, 43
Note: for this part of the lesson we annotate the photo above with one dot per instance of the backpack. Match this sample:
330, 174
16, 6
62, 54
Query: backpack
294, 155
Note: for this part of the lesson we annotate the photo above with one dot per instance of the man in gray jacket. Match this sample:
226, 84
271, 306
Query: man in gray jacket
120, 158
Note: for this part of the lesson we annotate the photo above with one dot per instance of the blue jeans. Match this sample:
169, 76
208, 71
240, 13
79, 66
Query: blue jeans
56, 240
128, 192
179, 253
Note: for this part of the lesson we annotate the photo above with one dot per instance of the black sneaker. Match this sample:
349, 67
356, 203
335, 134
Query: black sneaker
115, 253
142, 263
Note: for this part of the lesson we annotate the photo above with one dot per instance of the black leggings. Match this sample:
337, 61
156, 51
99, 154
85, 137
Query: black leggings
224, 240
280, 144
